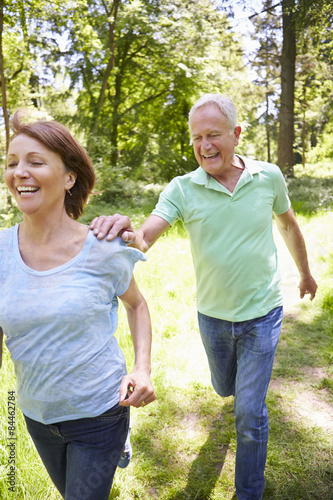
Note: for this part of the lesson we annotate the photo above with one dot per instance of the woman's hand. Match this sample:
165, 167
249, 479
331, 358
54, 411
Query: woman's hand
136, 389
136, 386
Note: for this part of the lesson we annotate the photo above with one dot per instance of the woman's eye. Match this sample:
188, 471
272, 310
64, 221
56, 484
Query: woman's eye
11, 165
36, 163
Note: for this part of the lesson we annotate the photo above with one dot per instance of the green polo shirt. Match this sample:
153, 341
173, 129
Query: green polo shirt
233, 250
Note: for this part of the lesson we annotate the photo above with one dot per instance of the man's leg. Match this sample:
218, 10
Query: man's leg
220, 347
257, 341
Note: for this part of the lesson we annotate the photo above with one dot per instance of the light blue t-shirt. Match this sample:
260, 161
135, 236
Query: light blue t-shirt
60, 327
233, 250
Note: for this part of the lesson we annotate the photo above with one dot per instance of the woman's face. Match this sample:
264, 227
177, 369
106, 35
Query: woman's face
36, 176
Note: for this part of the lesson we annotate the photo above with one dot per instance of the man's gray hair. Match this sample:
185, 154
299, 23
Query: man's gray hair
223, 102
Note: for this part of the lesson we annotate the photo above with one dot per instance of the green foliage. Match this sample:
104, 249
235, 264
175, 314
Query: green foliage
123, 196
324, 144
123, 79
311, 189
149, 66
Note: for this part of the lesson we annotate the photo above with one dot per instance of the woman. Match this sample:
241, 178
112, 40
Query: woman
58, 310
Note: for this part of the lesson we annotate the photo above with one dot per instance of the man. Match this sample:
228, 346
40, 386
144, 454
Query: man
226, 205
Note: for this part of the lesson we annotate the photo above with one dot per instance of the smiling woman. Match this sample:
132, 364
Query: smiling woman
36, 176
52, 138
58, 311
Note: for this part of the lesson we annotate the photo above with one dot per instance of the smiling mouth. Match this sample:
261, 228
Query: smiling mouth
208, 157
27, 190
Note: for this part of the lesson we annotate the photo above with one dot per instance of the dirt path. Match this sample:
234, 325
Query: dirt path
313, 408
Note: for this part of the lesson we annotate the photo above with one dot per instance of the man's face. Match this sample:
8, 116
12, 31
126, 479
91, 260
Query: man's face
213, 141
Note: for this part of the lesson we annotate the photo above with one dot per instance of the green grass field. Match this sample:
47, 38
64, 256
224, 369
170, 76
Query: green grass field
184, 443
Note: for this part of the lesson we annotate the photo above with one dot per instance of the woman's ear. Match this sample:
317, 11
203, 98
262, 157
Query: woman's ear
71, 179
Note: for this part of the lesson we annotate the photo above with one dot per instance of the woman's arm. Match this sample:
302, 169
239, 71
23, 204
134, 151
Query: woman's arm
137, 385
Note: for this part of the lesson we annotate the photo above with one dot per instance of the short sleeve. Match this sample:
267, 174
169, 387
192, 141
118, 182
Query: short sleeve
170, 202
124, 260
281, 200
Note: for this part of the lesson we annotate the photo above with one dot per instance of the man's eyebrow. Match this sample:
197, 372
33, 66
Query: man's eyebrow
214, 131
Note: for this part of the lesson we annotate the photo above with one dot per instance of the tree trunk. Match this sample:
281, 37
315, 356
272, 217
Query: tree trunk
115, 122
286, 115
267, 128
101, 98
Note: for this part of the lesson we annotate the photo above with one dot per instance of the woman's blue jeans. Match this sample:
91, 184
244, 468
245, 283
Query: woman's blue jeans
240, 357
81, 456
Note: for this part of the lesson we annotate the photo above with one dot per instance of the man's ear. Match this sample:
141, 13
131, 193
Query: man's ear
237, 133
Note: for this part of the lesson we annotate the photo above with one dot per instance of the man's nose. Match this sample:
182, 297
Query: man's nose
205, 145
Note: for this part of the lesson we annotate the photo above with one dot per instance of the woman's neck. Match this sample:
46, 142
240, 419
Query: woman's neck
46, 243
46, 230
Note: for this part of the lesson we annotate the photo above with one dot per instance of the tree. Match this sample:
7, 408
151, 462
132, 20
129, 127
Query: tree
314, 77
286, 115
266, 62
164, 55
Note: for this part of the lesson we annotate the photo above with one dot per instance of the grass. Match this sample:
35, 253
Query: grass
184, 443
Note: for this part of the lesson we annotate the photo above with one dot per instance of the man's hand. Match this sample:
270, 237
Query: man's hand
307, 286
138, 389
112, 226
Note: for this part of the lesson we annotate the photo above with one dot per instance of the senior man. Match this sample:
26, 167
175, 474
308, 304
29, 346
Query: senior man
226, 205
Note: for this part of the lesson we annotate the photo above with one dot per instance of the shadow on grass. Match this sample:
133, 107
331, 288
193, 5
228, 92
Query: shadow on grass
299, 460
172, 460
205, 469
184, 444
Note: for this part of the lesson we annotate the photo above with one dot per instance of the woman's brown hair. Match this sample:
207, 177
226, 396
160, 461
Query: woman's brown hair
58, 139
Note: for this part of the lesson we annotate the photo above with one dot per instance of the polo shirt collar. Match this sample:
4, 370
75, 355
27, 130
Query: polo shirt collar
200, 176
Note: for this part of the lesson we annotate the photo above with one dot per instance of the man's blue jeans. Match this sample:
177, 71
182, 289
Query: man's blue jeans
240, 357
81, 456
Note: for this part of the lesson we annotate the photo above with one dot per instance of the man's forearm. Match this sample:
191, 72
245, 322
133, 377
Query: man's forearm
149, 232
293, 238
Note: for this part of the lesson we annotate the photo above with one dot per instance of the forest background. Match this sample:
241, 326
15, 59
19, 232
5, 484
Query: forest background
122, 75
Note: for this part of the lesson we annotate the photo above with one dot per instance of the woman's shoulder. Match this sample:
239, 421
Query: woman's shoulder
115, 248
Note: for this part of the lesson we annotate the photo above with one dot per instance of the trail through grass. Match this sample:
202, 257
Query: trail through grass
184, 443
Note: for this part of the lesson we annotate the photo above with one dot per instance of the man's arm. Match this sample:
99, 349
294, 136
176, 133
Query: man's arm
149, 232
120, 225
293, 238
